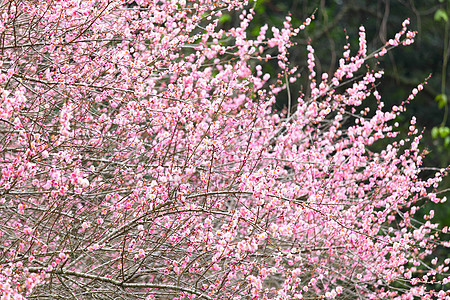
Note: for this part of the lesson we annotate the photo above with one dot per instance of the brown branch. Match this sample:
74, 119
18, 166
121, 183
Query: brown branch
121, 284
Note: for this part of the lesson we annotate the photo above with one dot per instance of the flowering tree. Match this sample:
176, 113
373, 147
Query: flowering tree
141, 159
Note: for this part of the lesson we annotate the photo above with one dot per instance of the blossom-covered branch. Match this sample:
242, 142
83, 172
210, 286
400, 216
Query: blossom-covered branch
141, 158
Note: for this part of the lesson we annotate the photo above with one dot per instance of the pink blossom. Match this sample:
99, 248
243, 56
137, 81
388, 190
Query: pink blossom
149, 157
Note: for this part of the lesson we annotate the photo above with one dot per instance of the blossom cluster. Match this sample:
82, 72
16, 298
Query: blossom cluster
141, 158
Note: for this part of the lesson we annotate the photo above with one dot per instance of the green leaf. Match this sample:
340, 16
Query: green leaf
441, 15
444, 131
441, 99
224, 18
258, 6
255, 31
447, 141
435, 132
